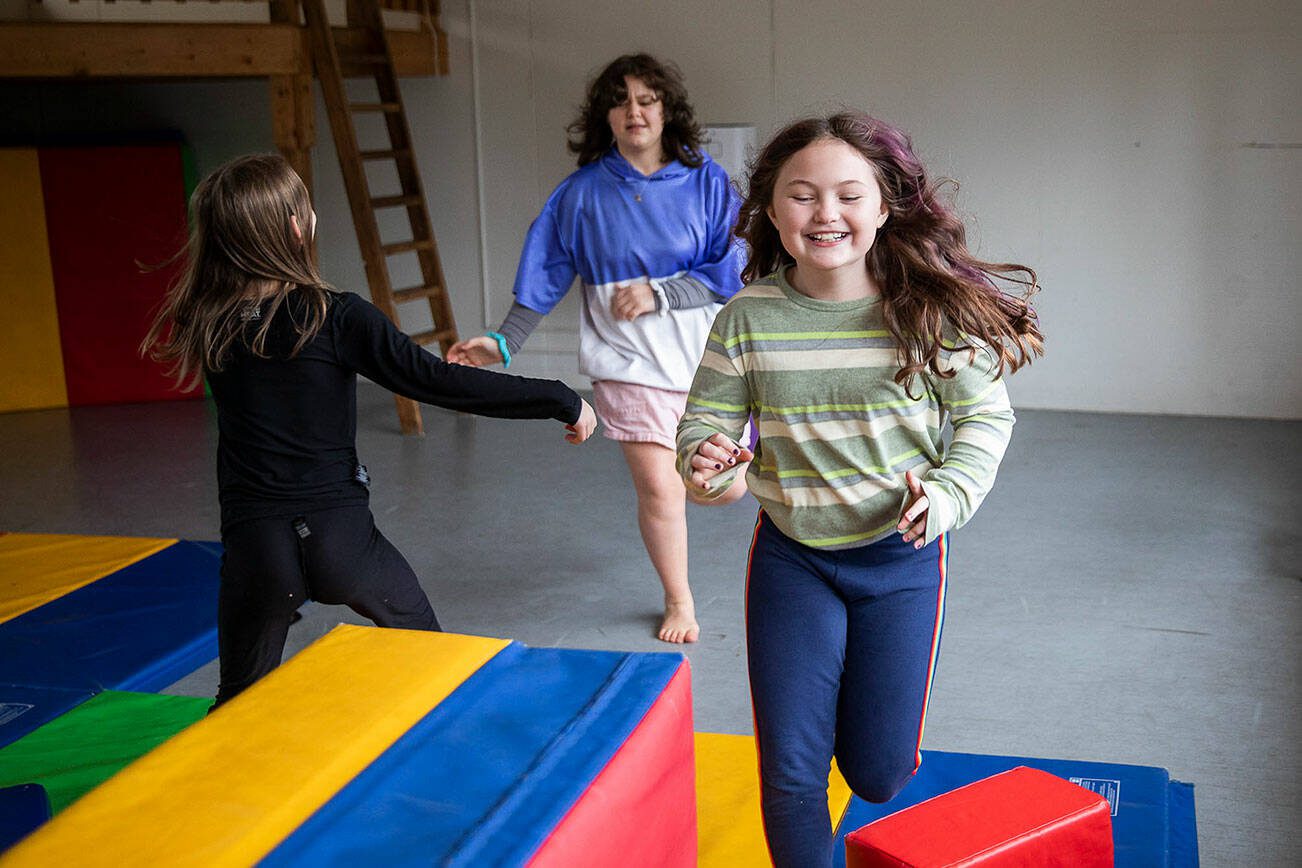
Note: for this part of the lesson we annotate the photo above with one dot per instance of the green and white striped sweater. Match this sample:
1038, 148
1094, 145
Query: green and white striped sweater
836, 433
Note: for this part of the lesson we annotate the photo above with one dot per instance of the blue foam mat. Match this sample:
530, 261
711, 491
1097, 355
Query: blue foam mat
24, 708
1152, 816
140, 628
486, 776
22, 809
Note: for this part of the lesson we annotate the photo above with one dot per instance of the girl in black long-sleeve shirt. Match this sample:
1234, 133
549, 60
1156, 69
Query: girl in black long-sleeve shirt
281, 351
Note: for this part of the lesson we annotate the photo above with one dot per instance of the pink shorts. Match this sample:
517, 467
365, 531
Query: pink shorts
638, 414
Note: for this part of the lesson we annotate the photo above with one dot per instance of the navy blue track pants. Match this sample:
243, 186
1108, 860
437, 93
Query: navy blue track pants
842, 648
271, 566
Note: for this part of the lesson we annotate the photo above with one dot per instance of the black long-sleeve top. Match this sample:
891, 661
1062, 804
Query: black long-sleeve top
288, 425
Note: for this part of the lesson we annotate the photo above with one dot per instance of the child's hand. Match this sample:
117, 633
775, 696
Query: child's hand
632, 300
714, 456
476, 352
583, 428
913, 523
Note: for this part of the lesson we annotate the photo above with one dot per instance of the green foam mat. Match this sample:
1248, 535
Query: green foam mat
76, 752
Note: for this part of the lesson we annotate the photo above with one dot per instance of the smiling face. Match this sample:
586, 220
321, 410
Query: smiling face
827, 208
638, 122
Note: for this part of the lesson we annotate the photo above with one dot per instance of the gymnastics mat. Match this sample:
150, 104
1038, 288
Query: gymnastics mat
31, 354
406, 747
81, 749
22, 809
36, 568
115, 217
730, 828
25, 708
1153, 820
146, 622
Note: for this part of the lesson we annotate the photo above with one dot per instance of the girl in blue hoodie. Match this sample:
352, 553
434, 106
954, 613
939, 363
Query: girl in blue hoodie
646, 225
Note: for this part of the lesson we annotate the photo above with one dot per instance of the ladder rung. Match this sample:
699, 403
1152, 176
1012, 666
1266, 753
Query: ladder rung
361, 58
407, 246
394, 201
433, 336
384, 155
415, 293
386, 107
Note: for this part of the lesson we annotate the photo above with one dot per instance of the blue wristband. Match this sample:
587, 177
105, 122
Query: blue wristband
501, 348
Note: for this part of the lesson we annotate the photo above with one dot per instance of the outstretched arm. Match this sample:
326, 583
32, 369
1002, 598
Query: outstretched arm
369, 343
488, 349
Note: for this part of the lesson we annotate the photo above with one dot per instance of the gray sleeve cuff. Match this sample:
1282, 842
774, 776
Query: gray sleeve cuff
681, 293
519, 324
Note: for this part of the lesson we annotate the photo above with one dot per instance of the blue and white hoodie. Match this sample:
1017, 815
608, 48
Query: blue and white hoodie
611, 225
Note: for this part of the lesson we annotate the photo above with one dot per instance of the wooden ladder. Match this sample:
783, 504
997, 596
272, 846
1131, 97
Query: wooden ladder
361, 50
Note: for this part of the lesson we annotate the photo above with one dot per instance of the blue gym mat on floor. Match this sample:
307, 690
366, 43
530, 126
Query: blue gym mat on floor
22, 809
138, 629
1153, 823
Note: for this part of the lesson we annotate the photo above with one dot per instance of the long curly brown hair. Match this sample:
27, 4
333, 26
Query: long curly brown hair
933, 289
590, 135
240, 240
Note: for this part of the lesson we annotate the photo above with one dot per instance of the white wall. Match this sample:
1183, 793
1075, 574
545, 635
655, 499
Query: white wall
1145, 157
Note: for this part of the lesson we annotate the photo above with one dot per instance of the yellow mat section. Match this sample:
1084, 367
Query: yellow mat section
36, 568
230, 788
729, 830
31, 356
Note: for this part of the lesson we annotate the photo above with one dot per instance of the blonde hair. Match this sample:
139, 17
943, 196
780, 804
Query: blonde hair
240, 235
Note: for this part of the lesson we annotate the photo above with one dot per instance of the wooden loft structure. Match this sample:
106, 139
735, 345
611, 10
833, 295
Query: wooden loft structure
279, 51
288, 54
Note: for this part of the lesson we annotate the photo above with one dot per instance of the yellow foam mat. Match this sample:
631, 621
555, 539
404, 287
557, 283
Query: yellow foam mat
729, 829
36, 568
31, 354
230, 788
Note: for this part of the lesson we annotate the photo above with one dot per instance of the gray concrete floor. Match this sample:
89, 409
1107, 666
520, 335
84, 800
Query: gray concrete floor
1128, 593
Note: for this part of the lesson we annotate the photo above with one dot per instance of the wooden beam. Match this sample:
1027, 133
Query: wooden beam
61, 50
291, 105
292, 121
134, 50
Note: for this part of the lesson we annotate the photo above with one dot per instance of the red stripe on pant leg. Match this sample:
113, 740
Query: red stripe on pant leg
641, 809
942, 565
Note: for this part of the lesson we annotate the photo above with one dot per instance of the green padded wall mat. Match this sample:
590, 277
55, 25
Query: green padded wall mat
78, 751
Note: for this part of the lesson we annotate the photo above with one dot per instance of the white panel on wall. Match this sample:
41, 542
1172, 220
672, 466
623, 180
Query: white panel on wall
731, 145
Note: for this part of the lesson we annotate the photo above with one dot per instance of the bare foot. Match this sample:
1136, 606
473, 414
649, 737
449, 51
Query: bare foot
679, 624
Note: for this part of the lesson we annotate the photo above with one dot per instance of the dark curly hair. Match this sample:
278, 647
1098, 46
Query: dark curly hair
930, 282
590, 135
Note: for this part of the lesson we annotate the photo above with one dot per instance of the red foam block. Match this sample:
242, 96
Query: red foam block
1022, 817
641, 809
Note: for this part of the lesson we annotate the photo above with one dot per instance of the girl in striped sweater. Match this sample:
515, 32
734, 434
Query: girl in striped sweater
866, 325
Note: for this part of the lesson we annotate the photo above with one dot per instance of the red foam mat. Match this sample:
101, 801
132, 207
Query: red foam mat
641, 809
108, 211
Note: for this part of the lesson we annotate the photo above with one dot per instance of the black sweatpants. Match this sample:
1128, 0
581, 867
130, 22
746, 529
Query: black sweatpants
271, 566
